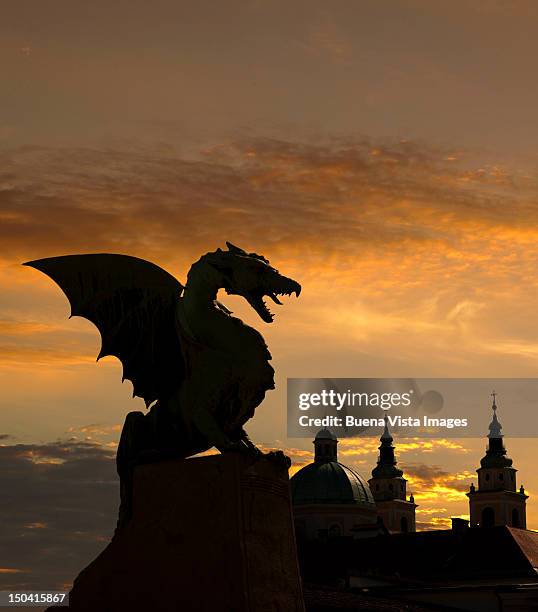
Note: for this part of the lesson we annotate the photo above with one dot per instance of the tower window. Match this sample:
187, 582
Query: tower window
390, 487
487, 476
501, 476
404, 527
377, 487
515, 518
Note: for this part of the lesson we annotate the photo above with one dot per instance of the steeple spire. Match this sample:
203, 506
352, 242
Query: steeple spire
385, 436
495, 452
494, 427
388, 487
386, 463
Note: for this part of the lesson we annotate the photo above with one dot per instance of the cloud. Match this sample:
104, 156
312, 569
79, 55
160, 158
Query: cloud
12, 354
96, 429
440, 494
395, 243
60, 502
411, 258
350, 191
431, 483
60, 505
366, 446
24, 328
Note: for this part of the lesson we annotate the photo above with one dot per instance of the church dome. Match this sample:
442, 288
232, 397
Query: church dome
330, 482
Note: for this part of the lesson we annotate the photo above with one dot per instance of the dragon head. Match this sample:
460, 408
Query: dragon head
252, 277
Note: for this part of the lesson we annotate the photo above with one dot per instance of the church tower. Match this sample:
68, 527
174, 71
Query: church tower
388, 487
497, 501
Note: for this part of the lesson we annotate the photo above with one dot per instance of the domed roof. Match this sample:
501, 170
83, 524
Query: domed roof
330, 482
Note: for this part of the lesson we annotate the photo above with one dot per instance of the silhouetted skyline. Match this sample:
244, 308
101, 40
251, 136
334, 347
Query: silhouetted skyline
383, 153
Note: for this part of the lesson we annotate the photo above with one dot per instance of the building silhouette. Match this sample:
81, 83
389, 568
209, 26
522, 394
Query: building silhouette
329, 498
383, 566
497, 501
388, 488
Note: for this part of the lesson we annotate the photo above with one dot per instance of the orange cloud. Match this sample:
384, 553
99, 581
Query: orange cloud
373, 232
364, 446
96, 429
24, 328
432, 484
13, 355
411, 258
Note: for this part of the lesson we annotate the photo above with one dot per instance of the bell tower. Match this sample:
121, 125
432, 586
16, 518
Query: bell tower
388, 487
497, 500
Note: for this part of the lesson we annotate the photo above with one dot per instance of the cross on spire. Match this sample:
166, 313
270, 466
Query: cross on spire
494, 426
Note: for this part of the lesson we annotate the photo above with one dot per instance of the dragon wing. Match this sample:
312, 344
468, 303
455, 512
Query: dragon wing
132, 302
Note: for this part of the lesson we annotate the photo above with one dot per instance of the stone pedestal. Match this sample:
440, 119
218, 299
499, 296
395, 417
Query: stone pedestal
208, 534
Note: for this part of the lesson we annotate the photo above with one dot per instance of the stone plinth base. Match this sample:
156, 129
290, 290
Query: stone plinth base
208, 534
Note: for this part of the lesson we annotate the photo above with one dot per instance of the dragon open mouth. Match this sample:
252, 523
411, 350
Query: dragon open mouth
286, 286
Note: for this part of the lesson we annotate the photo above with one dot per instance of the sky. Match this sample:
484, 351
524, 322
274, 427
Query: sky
381, 153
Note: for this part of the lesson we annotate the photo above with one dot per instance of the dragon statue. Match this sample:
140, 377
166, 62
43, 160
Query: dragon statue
200, 371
